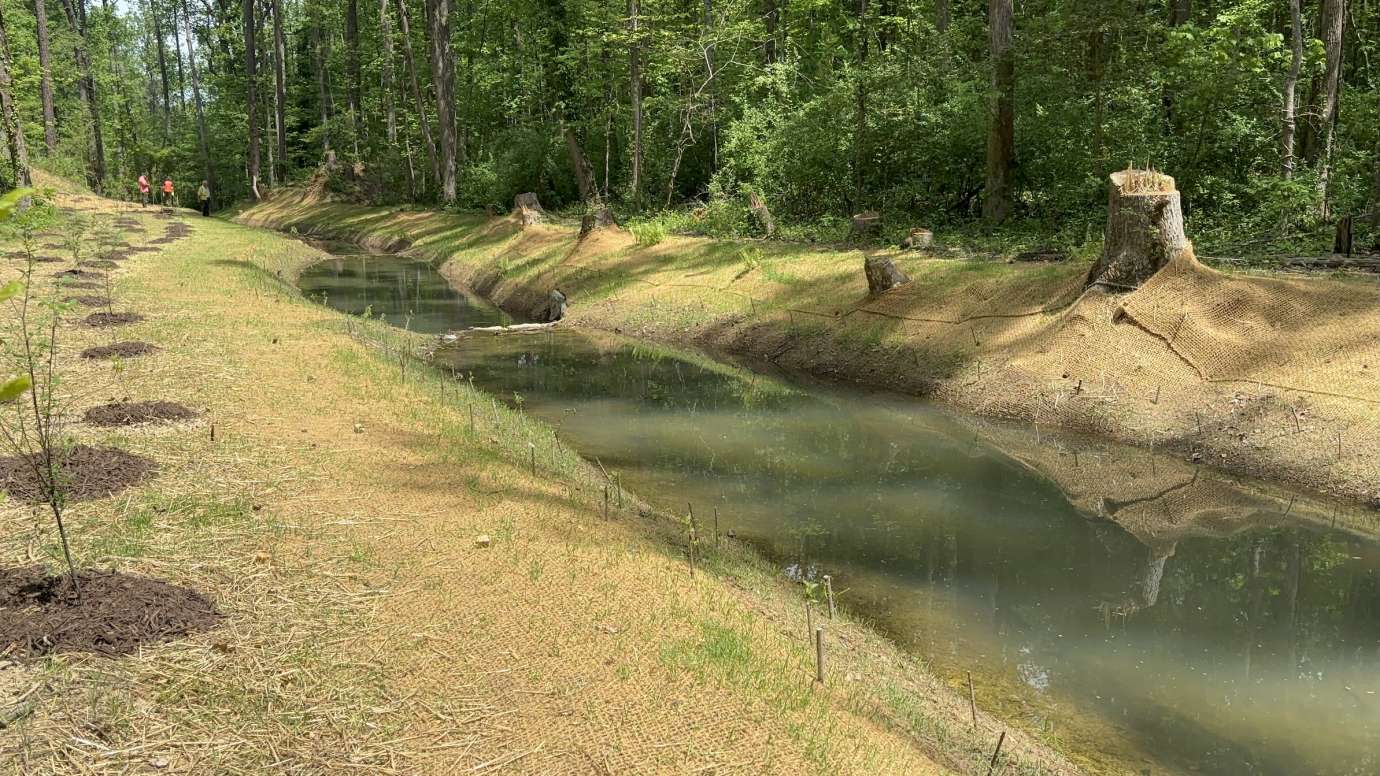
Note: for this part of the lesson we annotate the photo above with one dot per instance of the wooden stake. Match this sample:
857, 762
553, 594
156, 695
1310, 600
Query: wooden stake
606, 502
213, 432
829, 590
992, 766
532, 453
716, 528
809, 619
972, 699
471, 403
819, 655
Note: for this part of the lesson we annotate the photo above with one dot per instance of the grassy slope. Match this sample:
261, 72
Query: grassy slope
333, 518
1014, 341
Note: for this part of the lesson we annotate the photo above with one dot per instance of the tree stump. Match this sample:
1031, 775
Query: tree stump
528, 209
882, 275
918, 239
761, 213
601, 218
552, 310
865, 224
1342, 241
1145, 230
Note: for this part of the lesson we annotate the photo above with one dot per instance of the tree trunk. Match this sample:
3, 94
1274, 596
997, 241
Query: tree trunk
996, 204
320, 51
163, 74
1145, 230
771, 17
1333, 28
353, 89
203, 141
387, 76
280, 90
251, 86
1322, 100
762, 213
86, 89
1291, 81
1097, 67
45, 82
528, 209
177, 59
584, 174
941, 16
443, 78
860, 107
14, 128
418, 103
1375, 196
635, 87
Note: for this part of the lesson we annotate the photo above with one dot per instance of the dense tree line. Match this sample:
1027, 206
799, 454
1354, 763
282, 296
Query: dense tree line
1267, 111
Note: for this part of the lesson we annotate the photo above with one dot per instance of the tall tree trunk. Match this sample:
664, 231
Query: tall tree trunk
1333, 29
387, 76
1291, 82
14, 128
163, 72
1180, 11
1322, 99
1097, 67
45, 78
251, 86
941, 15
353, 88
635, 87
584, 174
86, 89
177, 58
320, 51
203, 140
419, 105
443, 77
772, 18
279, 90
709, 56
860, 108
1001, 120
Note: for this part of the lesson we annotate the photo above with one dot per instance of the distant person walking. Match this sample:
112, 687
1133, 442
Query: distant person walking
143, 190
203, 196
167, 192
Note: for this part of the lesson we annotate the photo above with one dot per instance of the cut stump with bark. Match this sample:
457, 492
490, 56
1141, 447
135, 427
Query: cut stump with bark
553, 309
528, 209
865, 224
601, 218
762, 213
1145, 230
918, 239
882, 275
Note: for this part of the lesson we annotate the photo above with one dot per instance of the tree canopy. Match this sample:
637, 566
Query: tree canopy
1267, 112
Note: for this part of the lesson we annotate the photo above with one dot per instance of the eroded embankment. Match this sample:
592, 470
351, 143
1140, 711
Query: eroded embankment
1269, 376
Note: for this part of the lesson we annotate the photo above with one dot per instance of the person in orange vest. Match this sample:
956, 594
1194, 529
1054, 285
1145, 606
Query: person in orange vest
143, 190
167, 192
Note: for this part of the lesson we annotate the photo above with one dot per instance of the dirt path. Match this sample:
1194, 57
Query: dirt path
1275, 377
402, 595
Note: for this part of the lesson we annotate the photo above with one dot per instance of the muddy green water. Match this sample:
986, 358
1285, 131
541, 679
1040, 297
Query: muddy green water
404, 292
1141, 612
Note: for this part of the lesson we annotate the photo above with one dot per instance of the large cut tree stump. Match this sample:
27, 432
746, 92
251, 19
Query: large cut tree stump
761, 213
551, 310
1145, 230
601, 218
882, 275
528, 209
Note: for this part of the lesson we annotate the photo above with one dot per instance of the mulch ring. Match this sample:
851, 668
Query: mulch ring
90, 301
78, 273
133, 413
85, 473
70, 284
119, 350
100, 263
103, 320
116, 613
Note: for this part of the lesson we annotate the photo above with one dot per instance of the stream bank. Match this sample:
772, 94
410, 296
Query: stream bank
1267, 376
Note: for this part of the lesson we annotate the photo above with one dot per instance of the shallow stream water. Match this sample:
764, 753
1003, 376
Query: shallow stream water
1146, 613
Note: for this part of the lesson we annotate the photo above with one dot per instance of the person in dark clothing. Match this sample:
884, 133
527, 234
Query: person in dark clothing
203, 197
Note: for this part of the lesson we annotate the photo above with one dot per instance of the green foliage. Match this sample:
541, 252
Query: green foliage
648, 233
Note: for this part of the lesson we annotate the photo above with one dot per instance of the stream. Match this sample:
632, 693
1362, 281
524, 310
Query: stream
1143, 612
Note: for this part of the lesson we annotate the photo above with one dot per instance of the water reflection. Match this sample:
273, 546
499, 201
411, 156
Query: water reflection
406, 293
1157, 614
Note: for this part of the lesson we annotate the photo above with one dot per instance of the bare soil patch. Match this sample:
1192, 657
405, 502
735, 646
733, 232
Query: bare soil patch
102, 263
119, 350
133, 413
116, 614
103, 320
88, 473
87, 284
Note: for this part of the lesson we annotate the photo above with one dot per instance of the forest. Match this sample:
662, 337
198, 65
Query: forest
961, 113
